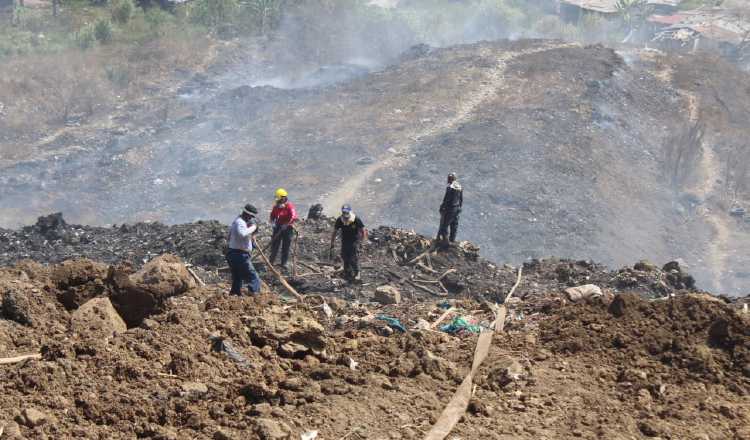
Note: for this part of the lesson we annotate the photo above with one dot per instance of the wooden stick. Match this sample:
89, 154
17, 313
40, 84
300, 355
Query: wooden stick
442, 287
281, 279
195, 276
294, 253
427, 269
17, 359
449, 271
311, 267
422, 280
442, 317
422, 255
425, 289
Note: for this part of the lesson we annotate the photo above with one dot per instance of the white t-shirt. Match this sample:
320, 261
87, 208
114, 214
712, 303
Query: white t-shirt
240, 235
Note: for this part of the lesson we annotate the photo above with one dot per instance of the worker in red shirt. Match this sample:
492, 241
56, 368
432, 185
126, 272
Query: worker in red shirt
283, 216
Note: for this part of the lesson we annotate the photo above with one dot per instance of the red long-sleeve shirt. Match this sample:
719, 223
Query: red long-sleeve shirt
284, 215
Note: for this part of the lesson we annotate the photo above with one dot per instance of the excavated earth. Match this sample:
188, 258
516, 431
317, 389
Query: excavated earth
132, 345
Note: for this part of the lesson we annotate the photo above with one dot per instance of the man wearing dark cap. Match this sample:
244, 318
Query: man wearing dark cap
450, 210
240, 246
353, 232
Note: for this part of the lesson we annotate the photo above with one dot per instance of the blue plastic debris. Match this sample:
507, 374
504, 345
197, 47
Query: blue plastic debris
392, 323
460, 324
445, 305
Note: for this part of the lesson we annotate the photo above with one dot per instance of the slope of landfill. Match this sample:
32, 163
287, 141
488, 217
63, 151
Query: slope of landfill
561, 149
133, 346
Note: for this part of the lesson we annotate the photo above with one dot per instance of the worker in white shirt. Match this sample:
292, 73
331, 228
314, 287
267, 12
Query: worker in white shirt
240, 247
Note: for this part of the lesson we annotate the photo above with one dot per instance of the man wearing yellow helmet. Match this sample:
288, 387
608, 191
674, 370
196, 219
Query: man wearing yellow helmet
283, 216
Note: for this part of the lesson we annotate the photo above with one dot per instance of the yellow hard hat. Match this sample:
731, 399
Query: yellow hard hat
280, 193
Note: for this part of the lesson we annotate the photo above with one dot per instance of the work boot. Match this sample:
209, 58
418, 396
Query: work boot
357, 278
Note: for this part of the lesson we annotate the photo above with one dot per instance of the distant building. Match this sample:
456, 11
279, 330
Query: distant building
574, 10
703, 28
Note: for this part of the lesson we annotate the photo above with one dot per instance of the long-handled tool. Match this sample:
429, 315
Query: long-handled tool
278, 275
294, 251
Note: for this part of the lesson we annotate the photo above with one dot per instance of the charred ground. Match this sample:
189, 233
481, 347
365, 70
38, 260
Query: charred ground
561, 148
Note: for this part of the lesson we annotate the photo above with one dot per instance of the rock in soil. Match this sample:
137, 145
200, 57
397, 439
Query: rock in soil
387, 295
98, 318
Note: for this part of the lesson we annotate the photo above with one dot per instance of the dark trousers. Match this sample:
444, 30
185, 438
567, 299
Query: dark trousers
242, 271
283, 240
350, 255
449, 220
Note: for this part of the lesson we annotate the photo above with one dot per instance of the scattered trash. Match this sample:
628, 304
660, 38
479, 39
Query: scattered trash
581, 293
353, 364
392, 323
460, 325
422, 325
444, 305
218, 344
327, 310
737, 211
309, 435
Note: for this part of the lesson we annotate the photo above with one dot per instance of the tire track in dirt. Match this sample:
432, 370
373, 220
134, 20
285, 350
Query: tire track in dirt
491, 85
710, 170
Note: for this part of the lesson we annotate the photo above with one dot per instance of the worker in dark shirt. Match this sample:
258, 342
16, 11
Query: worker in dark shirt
450, 210
353, 232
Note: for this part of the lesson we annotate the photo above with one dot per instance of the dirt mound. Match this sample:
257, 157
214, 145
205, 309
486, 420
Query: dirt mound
697, 336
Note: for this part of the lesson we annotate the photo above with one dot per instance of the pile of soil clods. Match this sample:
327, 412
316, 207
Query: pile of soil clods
689, 337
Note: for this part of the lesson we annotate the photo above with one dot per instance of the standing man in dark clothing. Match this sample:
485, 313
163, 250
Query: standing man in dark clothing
450, 210
283, 216
240, 247
353, 232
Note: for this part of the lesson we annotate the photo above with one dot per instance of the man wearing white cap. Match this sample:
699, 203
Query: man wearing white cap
240, 247
353, 232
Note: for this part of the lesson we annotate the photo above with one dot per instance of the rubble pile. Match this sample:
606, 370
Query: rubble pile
124, 348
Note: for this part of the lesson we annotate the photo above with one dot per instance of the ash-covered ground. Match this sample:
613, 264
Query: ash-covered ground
561, 149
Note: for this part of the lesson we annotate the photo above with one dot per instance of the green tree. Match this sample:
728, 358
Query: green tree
122, 11
103, 31
214, 13
265, 12
633, 13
